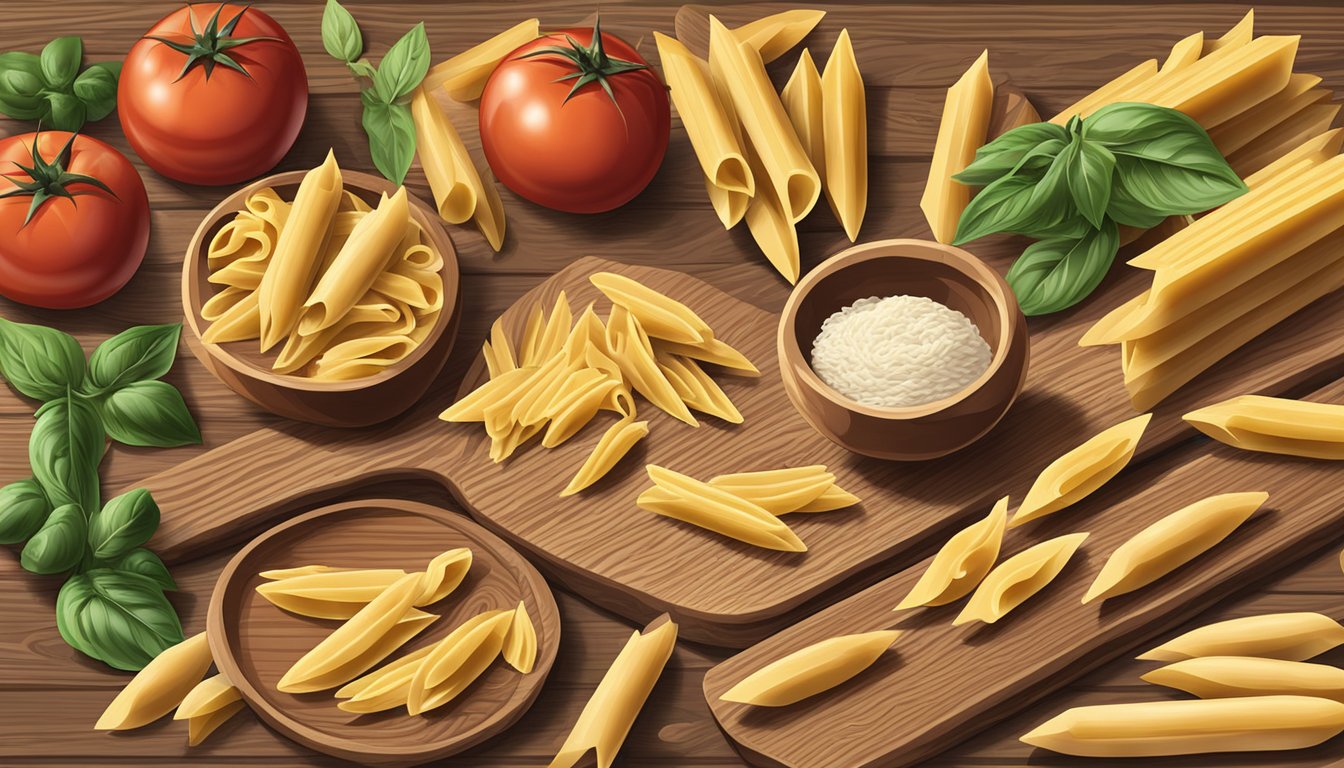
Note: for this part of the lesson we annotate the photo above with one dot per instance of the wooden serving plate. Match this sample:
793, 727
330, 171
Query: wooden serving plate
254, 642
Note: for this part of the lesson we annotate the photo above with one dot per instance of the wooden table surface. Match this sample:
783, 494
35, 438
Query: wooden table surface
50, 696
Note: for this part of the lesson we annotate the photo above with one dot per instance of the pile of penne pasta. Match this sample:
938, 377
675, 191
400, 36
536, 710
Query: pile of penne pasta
767, 157
349, 289
565, 372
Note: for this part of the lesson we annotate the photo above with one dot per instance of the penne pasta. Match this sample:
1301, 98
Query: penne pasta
830, 500
1274, 425
1225, 677
606, 719
1018, 578
772, 228
1183, 53
464, 75
775, 35
384, 688
638, 364
778, 491
703, 505
1300, 93
1081, 471
496, 391
661, 317
158, 688
713, 351
1286, 636
200, 728
443, 157
803, 103
209, 705
962, 563
366, 254
811, 670
1172, 542
964, 126
489, 218
729, 205
1312, 120
707, 121
520, 642
845, 112
696, 389
330, 595
1240, 34
615, 443
457, 660
1227, 82
233, 314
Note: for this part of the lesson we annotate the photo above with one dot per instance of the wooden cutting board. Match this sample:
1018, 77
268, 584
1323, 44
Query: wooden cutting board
638, 564
940, 684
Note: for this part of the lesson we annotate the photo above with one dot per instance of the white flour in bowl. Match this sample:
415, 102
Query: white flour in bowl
899, 351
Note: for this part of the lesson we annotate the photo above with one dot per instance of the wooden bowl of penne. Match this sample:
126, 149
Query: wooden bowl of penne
350, 338
918, 268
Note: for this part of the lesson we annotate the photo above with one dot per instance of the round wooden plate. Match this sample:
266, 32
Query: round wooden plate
254, 642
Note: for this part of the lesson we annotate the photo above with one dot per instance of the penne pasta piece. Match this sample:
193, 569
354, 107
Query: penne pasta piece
330, 595
962, 563
707, 121
489, 218
1172, 542
660, 316
1240, 34
729, 205
366, 254
234, 315
964, 126
845, 111
775, 35
520, 642
528, 350
443, 158
200, 728
770, 226
457, 661
1300, 93
811, 670
1018, 578
1310, 121
497, 390
606, 719
832, 499
301, 570
696, 389
713, 351
384, 688
464, 75
1082, 470
293, 267
1286, 636
1227, 82
498, 351
714, 509
1120, 89
739, 70
1274, 425
209, 695
779, 491
1225, 677
158, 688
411, 624
615, 443
556, 329
1165, 728
578, 402
635, 355
443, 575
802, 99
1183, 53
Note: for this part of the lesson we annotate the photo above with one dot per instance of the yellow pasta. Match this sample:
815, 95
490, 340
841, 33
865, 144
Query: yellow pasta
1240, 34
714, 509
661, 317
1309, 121
233, 314
1081, 471
209, 705
606, 718
963, 129
1018, 578
802, 100
366, 254
1300, 93
158, 688
520, 642
1286, 636
832, 499
1172, 542
713, 351
962, 563
464, 75
845, 110
779, 491
729, 205
1227, 82
636, 357
771, 226
775, 35
615, 443
457, 661
1183, 53
1164, 728
811, 670
1225, 677
1120, 89
331, 595
696, 389
443, 157
1275, 425
578, 401
740, 71
384, 688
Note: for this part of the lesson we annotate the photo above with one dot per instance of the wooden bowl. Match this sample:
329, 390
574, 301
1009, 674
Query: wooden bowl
919, 268
355, 403
254, 642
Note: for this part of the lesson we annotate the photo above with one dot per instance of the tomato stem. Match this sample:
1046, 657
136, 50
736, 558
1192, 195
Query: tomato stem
592, 63
48, 180
208, 47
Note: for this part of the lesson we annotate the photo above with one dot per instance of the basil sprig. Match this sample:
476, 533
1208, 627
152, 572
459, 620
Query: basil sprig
385, 90
52, 89
1069, 187
112, 607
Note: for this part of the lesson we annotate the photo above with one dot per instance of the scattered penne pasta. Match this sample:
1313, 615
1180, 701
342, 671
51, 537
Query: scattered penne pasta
1172, 542
384, 688
1274, 425
964, 127
701, 504
336, 593
209, 705
606, 719
520, 642
1286, 636
962, 563
1018, 578
806, 672
775, 35
456, 661
1081, 471
845, 122
1224, 677
804, 104
160, 687
464, 75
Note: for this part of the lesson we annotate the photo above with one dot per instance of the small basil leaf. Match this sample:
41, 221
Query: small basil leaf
18, 83
1172, 190
391, 134
22, 108
58, 545
123, 524
97, 88
1004, 154
1018, 204
141, 353
41, 363
148, 413
147, 564
1056, 273
67, 112
118, 617
64, 449
23, 510
60, 61
1129, 212
21, 61
1090, 171
340, 33
404, 66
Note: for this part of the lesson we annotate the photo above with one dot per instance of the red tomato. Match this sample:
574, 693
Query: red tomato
70, 253
212, 124
583, 153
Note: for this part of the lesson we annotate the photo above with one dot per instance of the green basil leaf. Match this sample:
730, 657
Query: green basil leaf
391, 138
1170, 190
123, 524
19, 84
23, 510
1090, 172
60, 61
1019, 204
1125, 210
1003, 155
340, 33
21, 61
141, 353
97, 88
67, 112
41, 363
58, 545
64, 450
404, 66
147, 564
118, 617
148, 413
23, 108
1057, 273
